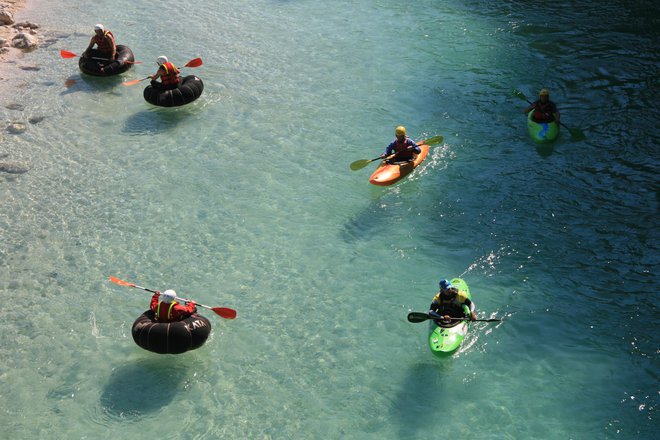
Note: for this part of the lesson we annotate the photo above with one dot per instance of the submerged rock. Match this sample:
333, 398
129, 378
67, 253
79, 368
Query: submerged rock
36, 119
15, 106
16, 128
13, 168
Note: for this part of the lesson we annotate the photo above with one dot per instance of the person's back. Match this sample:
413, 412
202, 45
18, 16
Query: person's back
168, 74
167, 309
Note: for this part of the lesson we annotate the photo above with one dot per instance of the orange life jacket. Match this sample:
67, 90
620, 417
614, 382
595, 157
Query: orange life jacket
171, 76
102, 42
163, 314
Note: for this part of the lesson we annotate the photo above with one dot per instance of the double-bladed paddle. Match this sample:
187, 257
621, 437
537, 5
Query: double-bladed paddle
576, 133
421, 317
67, 54
359, 164
224, 312
195, 62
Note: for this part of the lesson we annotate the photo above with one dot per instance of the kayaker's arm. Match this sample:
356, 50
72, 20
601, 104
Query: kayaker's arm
470, 304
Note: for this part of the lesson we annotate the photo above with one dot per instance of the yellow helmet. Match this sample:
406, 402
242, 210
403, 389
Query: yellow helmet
544, 92
400, 131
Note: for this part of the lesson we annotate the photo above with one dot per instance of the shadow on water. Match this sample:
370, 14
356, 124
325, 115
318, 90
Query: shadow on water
545, 150
143, 387
91, 84
367, 222
385, 206
421, 394
153, 121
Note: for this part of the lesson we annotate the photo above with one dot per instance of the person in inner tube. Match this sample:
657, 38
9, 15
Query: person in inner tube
167, 309
168, 74
403, 148
448, 303
105, 44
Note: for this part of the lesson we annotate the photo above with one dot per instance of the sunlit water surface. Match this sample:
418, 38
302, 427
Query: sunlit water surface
245, 199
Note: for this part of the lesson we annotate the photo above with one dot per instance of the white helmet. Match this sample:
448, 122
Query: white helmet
168, 296
161, 60
99, 27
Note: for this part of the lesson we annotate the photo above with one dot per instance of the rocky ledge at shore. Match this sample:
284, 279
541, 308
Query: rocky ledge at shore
15, 39
15, 36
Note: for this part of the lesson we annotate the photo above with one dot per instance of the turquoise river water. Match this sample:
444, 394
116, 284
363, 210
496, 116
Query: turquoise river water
245, 199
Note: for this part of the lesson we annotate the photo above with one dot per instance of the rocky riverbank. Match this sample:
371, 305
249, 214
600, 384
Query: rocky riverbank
15, 37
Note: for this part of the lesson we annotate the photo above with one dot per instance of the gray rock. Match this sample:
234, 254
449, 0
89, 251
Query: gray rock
16, 127
24, 41
13, 168
26, 25
36, 119
15, 106
6, 17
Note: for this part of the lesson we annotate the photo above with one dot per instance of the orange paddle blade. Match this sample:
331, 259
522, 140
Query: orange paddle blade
67, 54
225, 312
194, 63
130, 83
121, 282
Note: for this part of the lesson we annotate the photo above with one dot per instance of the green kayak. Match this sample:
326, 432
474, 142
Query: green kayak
542, 132
444, 339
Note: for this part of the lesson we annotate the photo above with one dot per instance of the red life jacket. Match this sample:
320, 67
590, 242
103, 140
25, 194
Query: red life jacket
403, 148
102, 42
171, 76
543, 112
164, 314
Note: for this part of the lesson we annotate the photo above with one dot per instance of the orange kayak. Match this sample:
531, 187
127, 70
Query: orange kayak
388, 174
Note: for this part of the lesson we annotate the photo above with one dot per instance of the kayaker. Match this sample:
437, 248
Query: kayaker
404, 147
544, 109
105, 42
167, 309
168, 74
449, 303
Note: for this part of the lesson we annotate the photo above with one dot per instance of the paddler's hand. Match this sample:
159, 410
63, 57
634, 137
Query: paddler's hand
473, 317
446, 318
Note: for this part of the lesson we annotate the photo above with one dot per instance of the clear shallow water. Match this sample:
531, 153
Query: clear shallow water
244, 199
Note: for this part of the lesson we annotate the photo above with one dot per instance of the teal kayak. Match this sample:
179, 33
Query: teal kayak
444, 339
542, 132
